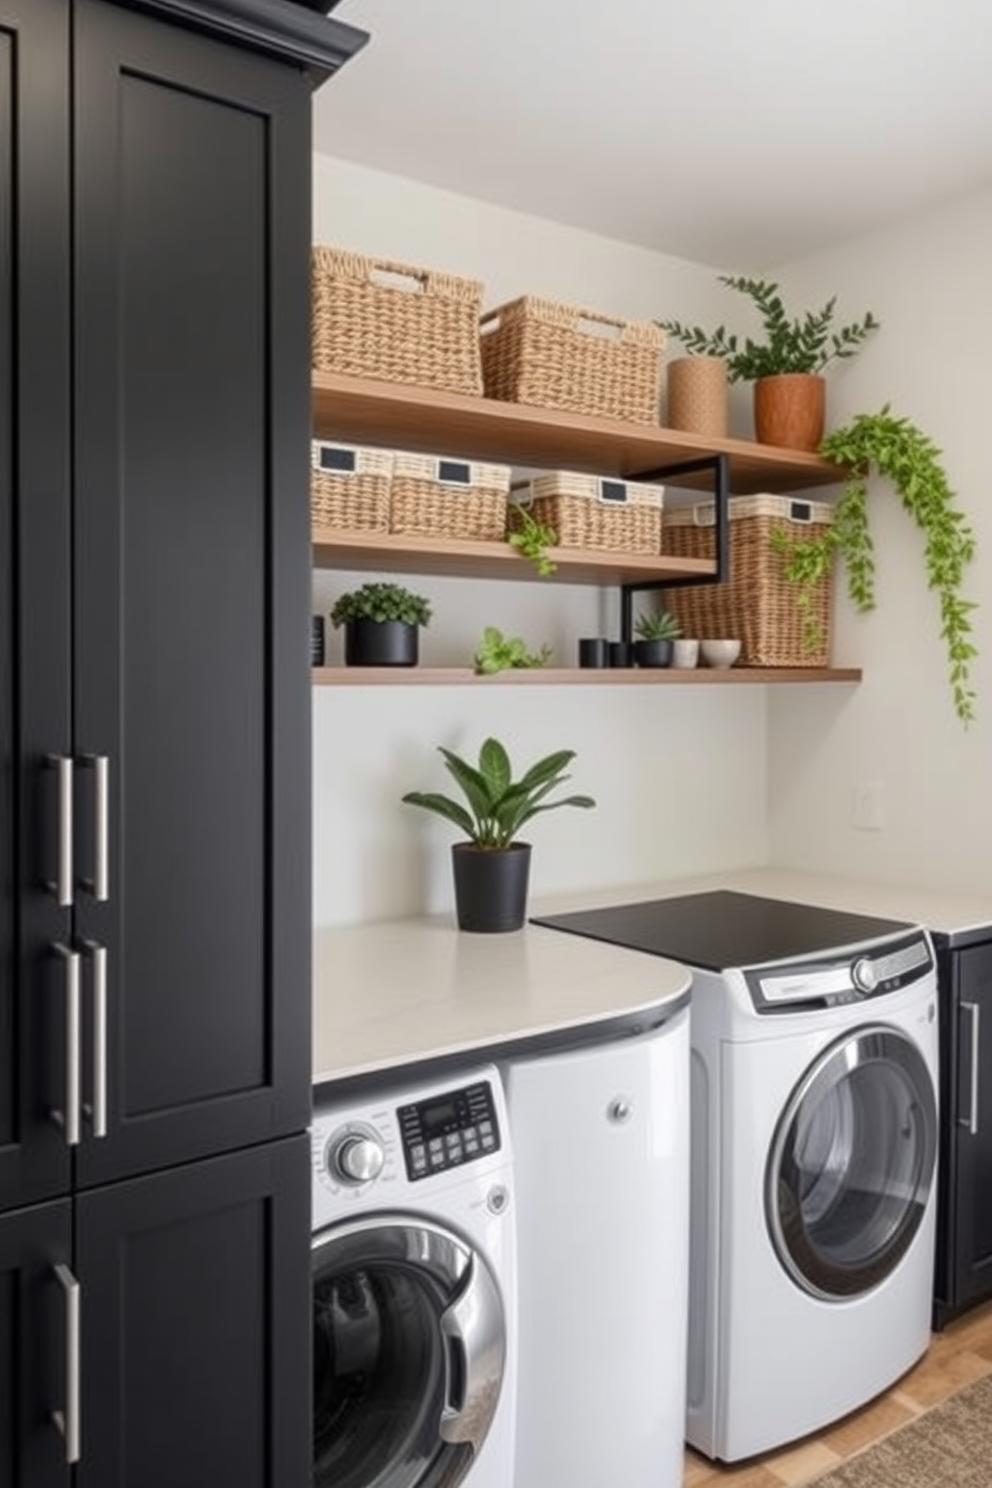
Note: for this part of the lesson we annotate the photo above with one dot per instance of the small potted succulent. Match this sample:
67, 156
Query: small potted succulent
381, 624
492, 868
656, 631
787, 366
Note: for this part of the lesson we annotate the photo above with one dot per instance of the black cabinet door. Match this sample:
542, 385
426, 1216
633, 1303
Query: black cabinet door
192, 189
971, 1115
195, 1324
34, 587
33, 1345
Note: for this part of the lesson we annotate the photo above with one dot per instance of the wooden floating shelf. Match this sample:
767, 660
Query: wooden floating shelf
380, 413
421, 676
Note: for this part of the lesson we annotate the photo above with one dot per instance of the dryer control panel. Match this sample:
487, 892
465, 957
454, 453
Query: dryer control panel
448, 1129
873, 972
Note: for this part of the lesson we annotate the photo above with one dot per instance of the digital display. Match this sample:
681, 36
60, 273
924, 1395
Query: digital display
434, 1116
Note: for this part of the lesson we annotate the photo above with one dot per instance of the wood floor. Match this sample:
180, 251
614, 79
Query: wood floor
958, 1355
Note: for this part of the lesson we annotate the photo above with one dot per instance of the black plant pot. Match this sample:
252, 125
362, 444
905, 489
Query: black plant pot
490, 886
653, 653
380, 643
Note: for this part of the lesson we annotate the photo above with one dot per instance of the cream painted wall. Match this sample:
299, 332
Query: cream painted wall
679, 775
928, 282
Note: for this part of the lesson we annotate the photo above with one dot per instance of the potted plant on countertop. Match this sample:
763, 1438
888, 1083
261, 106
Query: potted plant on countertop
881, 444
491, 869
657, 632
787, 367
381, 624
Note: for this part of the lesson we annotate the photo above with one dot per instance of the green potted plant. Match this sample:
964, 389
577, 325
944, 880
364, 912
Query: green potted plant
656, 632
787, 366
381, 624
881, 444
499, 653
491, 869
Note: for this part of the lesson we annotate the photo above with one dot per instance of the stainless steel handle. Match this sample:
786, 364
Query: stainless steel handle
61, 886
68, 1118
96, 1110
971, 1121
98, 885
67, 1420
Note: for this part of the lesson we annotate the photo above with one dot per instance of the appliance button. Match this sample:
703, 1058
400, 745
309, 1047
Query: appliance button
359, 1158
864, 975
434, 1145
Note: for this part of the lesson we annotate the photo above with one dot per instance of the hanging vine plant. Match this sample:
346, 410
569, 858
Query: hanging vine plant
881, 444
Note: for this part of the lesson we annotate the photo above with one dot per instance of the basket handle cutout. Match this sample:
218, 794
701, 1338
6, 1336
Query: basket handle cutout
800, 511
613, 492
334, 458
398, 278
599, 325
454, 472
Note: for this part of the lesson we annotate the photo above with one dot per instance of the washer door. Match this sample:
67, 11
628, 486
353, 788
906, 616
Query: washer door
409, 1346
852, 1164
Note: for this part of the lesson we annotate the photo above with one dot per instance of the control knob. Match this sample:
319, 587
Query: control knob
358, 1158
864, 976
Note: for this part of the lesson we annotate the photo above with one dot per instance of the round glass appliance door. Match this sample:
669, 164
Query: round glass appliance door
407, 1355
852, 1164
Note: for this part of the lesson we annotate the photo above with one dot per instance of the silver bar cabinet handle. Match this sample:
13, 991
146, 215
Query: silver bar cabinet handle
97, 1110
67, 1420
61, 886
971, 1122
68, 1118
98, 885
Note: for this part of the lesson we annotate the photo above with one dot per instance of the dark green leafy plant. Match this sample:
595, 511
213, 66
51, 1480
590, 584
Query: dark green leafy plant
531, 538
806, 344
497, 805
498, 652
657, 625
881, 444
381, 602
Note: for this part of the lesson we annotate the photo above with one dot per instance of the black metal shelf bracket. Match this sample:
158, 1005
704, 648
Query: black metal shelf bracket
719, 467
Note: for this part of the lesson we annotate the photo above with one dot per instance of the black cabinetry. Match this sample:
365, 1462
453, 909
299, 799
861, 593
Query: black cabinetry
154, 741
964, 1229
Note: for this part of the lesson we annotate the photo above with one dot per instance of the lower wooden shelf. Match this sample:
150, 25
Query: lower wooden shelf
420, 676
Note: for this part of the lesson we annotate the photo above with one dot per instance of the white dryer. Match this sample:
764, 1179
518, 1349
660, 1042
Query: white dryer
414, 1288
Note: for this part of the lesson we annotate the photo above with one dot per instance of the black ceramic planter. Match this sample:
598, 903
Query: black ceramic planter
380, 643
490, 886
653, 653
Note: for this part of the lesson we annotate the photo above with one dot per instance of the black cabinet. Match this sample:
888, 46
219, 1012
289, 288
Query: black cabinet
154, 739
964, 1227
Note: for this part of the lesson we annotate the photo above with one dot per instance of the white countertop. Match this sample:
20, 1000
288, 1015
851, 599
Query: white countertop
390, 994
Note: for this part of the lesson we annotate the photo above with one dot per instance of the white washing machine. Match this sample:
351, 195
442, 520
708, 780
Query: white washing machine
601, 1158
414, 1288
814, 1136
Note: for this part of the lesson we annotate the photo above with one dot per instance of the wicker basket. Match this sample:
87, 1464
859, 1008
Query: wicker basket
592, 511
555, 356
757, 603
373, 317
349, 486
432, 496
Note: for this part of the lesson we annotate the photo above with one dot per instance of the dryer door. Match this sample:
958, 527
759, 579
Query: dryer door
409, 1346
852, 1163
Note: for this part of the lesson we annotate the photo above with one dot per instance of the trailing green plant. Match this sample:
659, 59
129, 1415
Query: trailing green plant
498, 652
884, 445
381, 601
797, 344
657, 625
497, 806
531, 538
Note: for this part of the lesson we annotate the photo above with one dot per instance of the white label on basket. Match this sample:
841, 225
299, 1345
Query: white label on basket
454, 472
800, 511
705, 515
614, 492
334, 458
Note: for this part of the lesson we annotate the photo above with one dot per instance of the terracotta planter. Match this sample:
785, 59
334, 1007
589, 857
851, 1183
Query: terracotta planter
789, 410
697, 395
490, 886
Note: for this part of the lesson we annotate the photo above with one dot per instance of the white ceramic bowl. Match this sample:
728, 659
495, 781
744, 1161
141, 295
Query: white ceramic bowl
719, 653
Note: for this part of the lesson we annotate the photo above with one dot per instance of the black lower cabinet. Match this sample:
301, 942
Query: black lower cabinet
963, 1275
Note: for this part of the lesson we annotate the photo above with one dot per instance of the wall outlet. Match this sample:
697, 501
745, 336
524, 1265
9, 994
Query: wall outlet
867, 814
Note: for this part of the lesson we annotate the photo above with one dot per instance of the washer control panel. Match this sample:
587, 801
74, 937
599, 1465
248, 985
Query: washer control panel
876, 972
448, 1130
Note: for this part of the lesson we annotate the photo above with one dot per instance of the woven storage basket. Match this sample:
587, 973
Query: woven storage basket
555, 356
592, 511
433, 496
350, 486
757, 603
374, 317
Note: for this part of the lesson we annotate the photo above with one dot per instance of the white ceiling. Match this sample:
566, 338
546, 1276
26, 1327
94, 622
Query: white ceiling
736, 133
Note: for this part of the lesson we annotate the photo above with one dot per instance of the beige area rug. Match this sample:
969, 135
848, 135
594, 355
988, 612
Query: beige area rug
949, 1446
